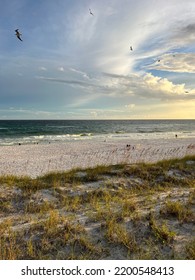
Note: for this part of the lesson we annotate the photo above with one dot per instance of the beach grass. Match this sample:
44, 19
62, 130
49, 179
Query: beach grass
126, 211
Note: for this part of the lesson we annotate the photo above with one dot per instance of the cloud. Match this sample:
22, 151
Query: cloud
86, 86
175, 62
130, 106
83, 74
42, 68
145, 86
149, 86
84, 59
61, 69
22, 111
184, 34
163, 89
158, 87
94, 114
69, 82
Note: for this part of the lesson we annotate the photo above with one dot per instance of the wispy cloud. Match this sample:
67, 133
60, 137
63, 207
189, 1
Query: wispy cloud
42, 68
143, 86
61, 69
130, 106
184, 34
69, 82
83, 74
174, 62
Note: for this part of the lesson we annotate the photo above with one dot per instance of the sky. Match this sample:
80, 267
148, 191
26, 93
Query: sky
74, 65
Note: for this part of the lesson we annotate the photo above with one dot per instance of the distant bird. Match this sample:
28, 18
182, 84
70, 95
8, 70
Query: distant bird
186, 91
158, 60
131, 48
18, 34
91, 12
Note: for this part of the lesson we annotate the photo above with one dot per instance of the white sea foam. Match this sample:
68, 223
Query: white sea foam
95, 137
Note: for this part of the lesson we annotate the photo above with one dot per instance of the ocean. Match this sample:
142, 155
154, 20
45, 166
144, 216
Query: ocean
13, 132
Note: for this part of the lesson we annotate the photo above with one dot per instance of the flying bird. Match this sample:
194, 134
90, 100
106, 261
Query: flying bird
91, 12
131, 48
18, 34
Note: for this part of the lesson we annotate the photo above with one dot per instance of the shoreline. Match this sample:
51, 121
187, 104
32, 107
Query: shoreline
37, 160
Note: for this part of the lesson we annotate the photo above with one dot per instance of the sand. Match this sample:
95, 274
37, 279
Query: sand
38, 159
131, 202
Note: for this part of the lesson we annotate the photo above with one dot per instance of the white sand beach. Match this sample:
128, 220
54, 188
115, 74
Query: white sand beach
38, 159
128, 212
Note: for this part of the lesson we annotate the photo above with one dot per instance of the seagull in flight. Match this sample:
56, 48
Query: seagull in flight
18, 34
91, 12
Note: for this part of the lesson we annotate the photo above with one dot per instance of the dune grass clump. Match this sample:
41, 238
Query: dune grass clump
128, 207
190, 250
161, 232
72, 176
116, 233
177, 209
9, 248
139, 209
5, 205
